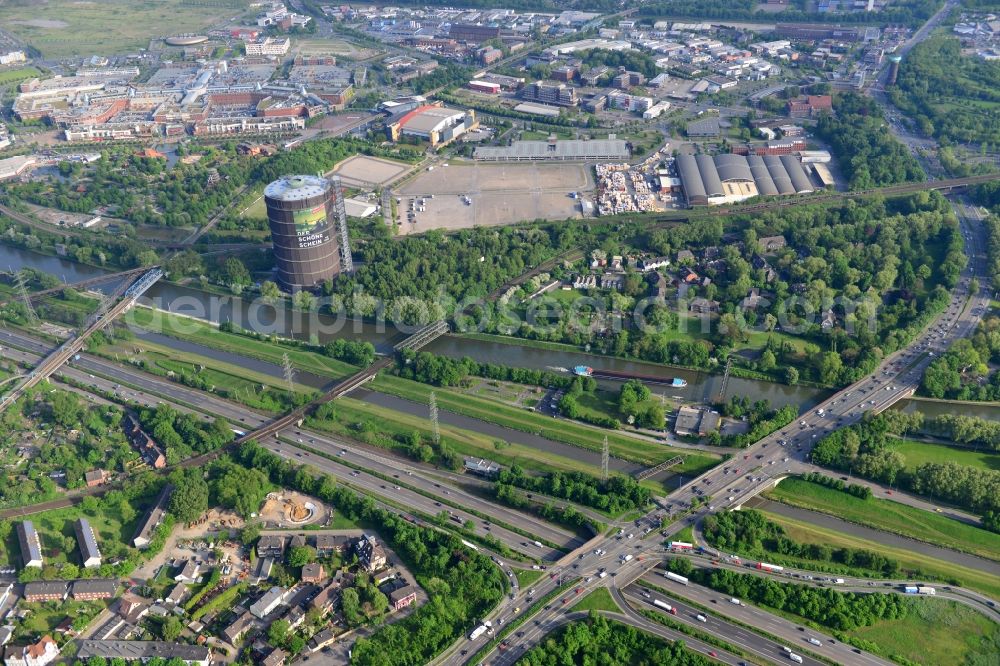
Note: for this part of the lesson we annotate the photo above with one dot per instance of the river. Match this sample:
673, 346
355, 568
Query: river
701, 386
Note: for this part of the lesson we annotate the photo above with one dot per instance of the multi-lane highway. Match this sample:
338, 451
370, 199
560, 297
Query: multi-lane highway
412, 485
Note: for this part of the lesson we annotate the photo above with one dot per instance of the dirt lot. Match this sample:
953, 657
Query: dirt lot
364, 171
287, 508
499, 194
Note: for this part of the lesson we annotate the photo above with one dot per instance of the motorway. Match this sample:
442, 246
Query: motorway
715, 623
149, 390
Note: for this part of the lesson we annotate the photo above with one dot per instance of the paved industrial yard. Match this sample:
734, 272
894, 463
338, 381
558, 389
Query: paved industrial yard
363, 171
499, 194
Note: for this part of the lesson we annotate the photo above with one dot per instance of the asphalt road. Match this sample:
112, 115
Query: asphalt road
715, 623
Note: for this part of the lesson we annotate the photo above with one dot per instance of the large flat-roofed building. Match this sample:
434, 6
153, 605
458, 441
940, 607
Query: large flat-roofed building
730, 178
90, 554
550, 93
477, 34
695, 422
143, 651
437, 125
31, 547
301, 211
559, 150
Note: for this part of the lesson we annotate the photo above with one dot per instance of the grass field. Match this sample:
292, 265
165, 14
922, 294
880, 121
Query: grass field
936, 631
525, 577
621, 446
598, 599
918, 453
350, 412
889, 516
110, 526
200, 332
65, 28
17, 75
808, 533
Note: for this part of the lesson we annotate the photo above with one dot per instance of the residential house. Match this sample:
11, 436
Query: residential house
276, 658
90, 554
271, 545
331, 544
91, 589
31, 547
144, 651
176, 594
313, 573
238, 628
703, 306
95, 477
152, 519
753, 300
652, 263
45, 651
370, 553
772, 243
45, 590
322, 639
188, 573
402, 597
269, 602
326, 599
151, 453
685, 256
132, 608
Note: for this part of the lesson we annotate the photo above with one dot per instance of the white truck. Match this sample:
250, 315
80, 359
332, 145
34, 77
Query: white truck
794, 657
480, 630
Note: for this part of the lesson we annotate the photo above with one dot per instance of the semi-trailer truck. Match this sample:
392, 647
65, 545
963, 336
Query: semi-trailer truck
670, 575
665, 606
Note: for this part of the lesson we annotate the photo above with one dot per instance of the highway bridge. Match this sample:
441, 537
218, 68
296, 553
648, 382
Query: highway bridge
85, 284
73, 346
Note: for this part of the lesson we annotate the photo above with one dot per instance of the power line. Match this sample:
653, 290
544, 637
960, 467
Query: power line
435, 427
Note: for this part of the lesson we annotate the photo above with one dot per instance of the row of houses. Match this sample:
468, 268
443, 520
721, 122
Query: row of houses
31, 547
83, 589
371, 554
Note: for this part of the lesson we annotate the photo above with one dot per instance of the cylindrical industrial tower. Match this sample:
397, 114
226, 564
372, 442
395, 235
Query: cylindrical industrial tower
299, 210
893, 70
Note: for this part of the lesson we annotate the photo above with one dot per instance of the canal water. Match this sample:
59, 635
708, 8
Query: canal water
701, 387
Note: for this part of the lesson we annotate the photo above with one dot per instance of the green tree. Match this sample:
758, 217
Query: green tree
301, 555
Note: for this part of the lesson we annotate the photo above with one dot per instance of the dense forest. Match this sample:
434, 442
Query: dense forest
866, 150
601, 641
418, 278
911, 13
951, 96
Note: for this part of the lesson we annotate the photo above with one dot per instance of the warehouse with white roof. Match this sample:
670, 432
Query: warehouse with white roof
437, 125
